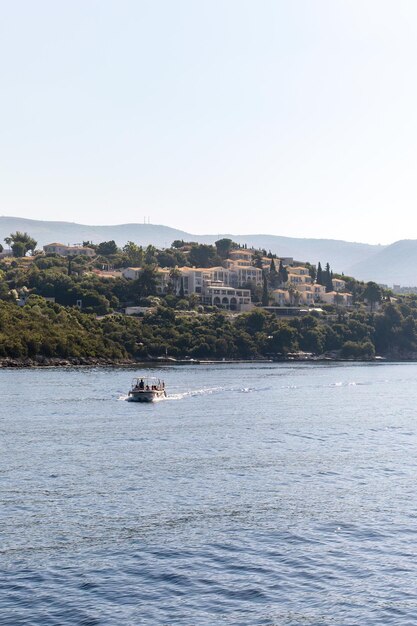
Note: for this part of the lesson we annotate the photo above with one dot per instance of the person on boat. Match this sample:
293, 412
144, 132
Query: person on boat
147, 387
141, 384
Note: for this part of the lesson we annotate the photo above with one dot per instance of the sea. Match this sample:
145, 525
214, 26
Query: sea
254, 494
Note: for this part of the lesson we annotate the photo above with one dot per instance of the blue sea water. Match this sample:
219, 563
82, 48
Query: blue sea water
255, 494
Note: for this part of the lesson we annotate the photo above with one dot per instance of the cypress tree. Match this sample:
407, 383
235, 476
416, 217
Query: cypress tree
312, 272
328, 278
273, 269
265, 294
319, 277
282, 273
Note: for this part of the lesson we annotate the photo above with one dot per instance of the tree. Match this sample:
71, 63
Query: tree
273, 275
165, 258
311, 271
372, 294
319, 277
224, 247
257, 260
297, 297
356, 350
175, 279
265, 294
150, 255
21, 243
284, 339
255, 321
89, 244
202, 255
328, 279
134, 253
147, 282
282, 273
19, 249
107, 248
291, 293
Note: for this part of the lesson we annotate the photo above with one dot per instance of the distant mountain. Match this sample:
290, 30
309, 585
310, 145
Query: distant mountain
394, 264
343, 256
70, 233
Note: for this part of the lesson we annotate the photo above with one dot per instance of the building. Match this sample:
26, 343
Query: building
338, 284
319, 291
67, 251
218, 294
106, 273
213, 285
248, 274
163, 279
337, 297
299, 276
280, 296
242, 254
131, 273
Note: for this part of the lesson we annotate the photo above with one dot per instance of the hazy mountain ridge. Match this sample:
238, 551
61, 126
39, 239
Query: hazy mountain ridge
395, 263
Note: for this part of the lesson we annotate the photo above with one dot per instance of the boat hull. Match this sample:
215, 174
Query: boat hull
146, 396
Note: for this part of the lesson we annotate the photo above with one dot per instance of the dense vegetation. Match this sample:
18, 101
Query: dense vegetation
176, 326
44, 329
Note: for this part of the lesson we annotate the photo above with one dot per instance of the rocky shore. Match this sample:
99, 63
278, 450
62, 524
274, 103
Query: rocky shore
42, 361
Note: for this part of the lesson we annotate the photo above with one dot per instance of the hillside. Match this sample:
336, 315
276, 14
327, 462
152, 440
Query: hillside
340, 254
395, 264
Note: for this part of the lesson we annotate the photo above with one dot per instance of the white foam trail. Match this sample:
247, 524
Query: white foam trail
211, 390
194, 392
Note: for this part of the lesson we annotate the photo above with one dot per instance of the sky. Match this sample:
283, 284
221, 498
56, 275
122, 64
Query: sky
287, 117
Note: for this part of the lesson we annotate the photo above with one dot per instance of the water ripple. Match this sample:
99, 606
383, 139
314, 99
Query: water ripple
265, 495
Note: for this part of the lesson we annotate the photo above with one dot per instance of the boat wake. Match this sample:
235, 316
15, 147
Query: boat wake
212, 390
194, 392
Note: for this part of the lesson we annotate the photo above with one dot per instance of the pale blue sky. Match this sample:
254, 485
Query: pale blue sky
295, 117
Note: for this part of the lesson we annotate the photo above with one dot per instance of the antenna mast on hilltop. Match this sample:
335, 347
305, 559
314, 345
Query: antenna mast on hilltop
146, 220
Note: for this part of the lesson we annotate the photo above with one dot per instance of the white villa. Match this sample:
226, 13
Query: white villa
227, 287
281, 297
299, 276
241, 254
217, 294
216, 286
338, 284
338, 298
309, 294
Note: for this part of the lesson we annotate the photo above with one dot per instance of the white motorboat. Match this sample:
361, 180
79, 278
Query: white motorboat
147, 390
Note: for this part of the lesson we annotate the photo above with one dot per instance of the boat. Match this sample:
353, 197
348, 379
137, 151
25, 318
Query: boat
147, 390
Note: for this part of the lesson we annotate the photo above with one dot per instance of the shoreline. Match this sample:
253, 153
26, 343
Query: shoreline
85, 362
